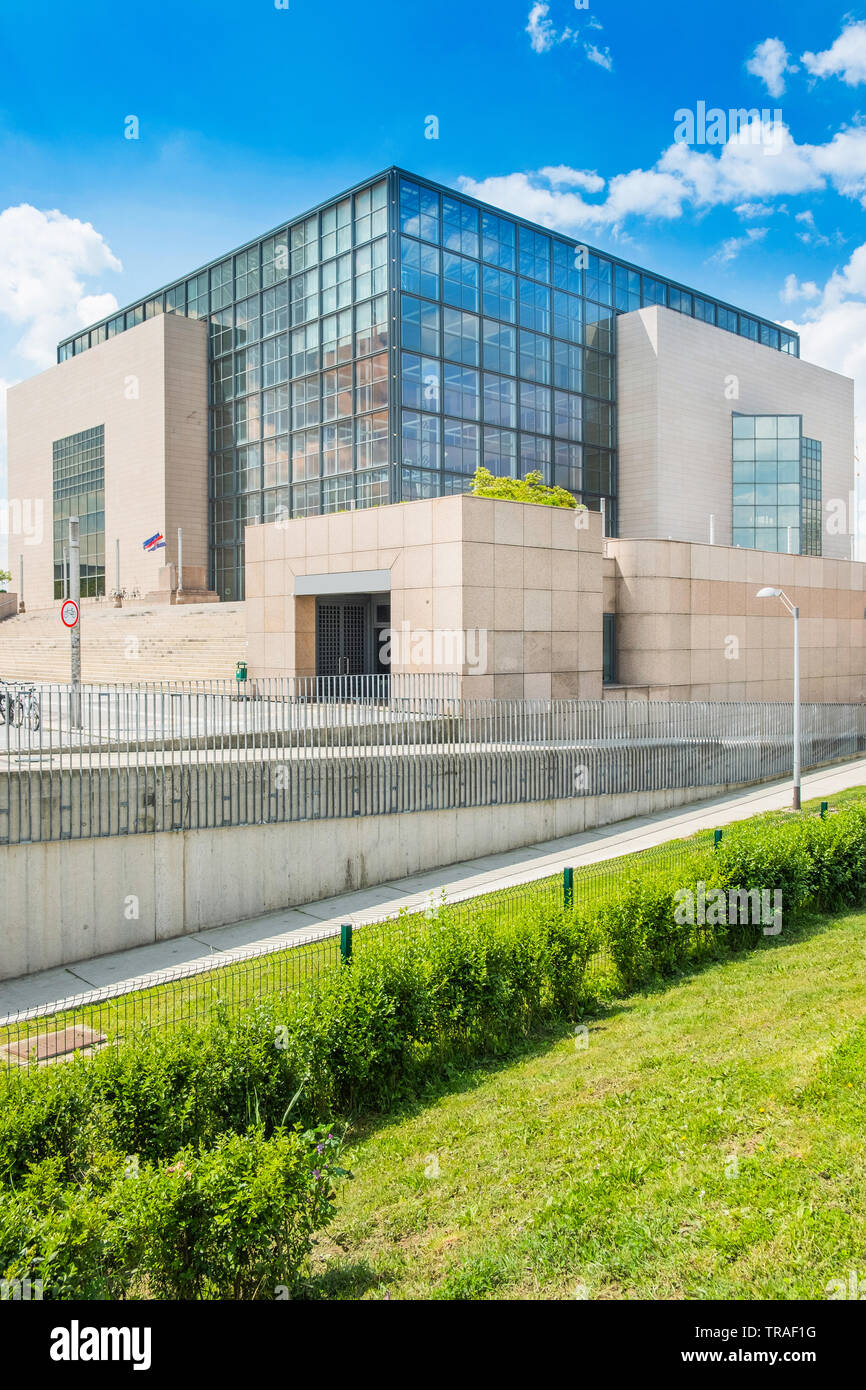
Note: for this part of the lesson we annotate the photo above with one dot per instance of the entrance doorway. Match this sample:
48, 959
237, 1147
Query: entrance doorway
350, 633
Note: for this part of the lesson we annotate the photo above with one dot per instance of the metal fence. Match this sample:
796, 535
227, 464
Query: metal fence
231, 982
124, 760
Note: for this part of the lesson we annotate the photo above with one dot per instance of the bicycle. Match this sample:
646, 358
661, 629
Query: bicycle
18, 706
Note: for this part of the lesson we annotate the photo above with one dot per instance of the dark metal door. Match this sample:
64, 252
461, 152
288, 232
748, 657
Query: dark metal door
343, 636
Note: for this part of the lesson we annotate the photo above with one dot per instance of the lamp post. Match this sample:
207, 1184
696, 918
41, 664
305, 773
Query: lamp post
795, 614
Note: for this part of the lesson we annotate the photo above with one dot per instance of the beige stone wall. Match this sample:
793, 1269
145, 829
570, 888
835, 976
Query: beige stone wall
523, 583
676, 385
689, 626
148, 387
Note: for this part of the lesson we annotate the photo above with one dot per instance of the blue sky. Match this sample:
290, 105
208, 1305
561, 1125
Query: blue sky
249, 113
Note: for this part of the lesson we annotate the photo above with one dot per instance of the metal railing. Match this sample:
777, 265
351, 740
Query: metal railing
160, 757
233, 981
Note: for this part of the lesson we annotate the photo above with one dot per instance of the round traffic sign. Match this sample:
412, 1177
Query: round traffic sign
69, 613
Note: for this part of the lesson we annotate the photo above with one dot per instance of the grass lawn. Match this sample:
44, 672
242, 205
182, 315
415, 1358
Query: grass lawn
706, 1142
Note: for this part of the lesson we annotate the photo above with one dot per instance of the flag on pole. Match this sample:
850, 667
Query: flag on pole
155, 543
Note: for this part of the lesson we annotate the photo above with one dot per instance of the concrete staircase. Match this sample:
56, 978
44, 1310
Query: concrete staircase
139, 642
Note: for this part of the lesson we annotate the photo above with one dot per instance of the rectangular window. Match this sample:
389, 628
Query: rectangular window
337, 392
462, 446
371, 326
419, 211
372, 489
420, 326
305, 403
534, 254
459, 227
500, 400
421, 440
459, 281
371, 440
371, 270
498, 241
568, 266
500, 348
305, 456
534, 306
567, 317
305, 244
221, 285
627, 295
371, 212
371, 391
534, 361
247, 279
419, 268
421, 380
336, 230
305, 354
500, 452
535, 408
275, 259
567, 367
461, 394
337, 338
337, 447
275, 310
460, 337
499, 294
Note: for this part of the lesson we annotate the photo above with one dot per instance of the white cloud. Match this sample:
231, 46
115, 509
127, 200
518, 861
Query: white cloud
846, 58
730, 249
542, 34
760, 162
770, 62
561, 176
833, 333
600, 56
46, 257
794, 289
749, 210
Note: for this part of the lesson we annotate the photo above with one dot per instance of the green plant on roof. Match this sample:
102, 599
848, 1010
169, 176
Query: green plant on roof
532, 488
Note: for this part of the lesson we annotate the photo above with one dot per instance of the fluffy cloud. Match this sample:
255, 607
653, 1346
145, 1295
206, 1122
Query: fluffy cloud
730, 249
46, 258
600, 56
833, 333
544, 36
761, 161
770, 62
793, 289
846, 58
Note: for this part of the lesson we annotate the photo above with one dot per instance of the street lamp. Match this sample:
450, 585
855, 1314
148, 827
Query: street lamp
795, 614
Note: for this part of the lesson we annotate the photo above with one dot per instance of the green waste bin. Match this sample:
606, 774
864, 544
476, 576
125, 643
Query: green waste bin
241, 671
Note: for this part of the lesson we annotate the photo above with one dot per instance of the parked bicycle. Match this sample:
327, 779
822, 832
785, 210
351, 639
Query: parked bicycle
19, 705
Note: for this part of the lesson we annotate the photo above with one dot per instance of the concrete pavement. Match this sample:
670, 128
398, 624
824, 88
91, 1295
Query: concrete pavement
467, 879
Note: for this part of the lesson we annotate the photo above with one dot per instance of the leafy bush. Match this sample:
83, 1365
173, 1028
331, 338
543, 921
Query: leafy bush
234, 1221
532, 488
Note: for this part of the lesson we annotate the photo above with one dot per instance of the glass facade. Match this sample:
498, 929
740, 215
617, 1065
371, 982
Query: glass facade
384, 345
810, 497
79, 490
776, 485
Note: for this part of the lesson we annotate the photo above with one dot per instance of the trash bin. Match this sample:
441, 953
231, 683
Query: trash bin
241, 671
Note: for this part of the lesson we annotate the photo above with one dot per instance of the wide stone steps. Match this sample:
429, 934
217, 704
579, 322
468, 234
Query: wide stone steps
134, 643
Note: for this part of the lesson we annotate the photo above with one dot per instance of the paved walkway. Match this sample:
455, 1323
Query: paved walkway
458, 880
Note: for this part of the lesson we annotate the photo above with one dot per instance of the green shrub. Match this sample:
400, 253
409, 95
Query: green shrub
532, 488
233, 1221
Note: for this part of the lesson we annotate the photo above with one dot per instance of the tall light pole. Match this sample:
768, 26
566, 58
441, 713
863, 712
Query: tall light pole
795, 614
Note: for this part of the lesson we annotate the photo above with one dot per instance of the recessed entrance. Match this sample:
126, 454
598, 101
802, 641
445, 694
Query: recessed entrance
350, 635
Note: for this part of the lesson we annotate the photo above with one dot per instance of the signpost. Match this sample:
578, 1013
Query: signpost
69, 613
73, 609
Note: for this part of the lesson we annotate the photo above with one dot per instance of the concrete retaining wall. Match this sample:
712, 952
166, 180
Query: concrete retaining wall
71, 900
